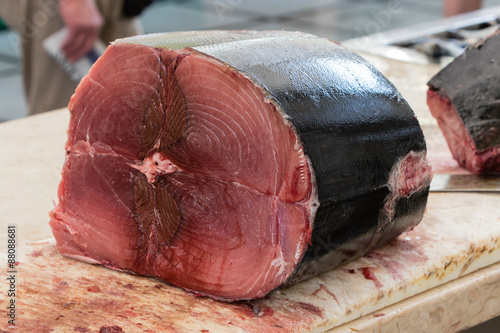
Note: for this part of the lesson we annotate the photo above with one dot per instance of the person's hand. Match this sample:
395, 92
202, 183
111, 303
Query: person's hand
83, 20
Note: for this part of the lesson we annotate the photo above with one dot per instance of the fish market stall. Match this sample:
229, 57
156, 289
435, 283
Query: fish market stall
444, 275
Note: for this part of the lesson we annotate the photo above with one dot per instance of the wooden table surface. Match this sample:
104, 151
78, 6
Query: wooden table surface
443, 276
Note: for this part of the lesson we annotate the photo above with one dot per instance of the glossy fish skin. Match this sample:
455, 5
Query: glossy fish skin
354, 126
350, 171
465, 99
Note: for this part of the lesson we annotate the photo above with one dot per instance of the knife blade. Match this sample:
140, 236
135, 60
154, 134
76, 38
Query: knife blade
465, 183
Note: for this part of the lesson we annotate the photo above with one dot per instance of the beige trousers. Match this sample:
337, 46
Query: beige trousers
47, 86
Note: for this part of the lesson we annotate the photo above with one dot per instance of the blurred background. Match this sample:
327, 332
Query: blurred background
337, 19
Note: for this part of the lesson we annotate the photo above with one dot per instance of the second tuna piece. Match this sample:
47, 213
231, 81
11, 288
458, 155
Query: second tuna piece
464, 97
232, 163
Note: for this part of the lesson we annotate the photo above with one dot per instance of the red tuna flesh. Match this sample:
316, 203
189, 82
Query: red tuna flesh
240, 179
464, 97
185, 168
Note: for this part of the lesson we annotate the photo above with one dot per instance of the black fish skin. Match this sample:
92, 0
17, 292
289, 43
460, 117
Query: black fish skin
472, 84
351, 237
354, 126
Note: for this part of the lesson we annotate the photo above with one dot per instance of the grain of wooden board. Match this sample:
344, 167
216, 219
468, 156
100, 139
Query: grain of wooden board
395, 286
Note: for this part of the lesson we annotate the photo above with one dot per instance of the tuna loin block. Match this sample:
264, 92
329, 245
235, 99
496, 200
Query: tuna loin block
464, 97
232, 163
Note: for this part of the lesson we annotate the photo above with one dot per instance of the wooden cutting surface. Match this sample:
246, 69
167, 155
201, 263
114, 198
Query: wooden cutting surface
442, 276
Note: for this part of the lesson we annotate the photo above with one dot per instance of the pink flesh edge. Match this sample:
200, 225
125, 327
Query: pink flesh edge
238, 175
459, 141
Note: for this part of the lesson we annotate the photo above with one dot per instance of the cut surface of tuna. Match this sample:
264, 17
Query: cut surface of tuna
464, 97
232, 163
